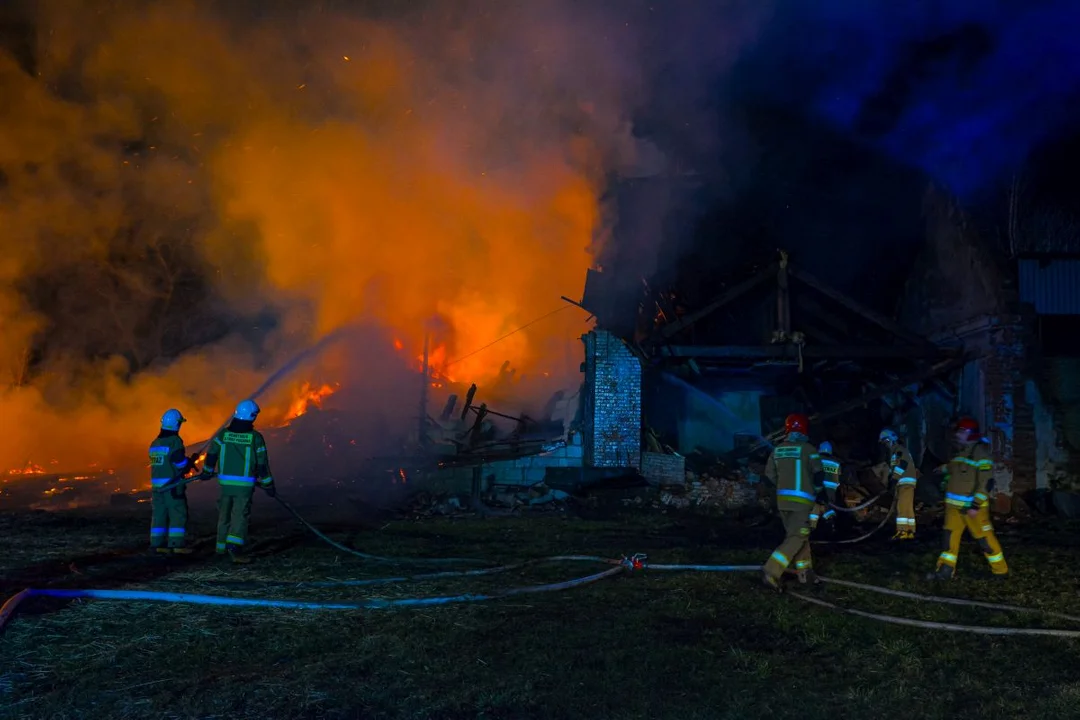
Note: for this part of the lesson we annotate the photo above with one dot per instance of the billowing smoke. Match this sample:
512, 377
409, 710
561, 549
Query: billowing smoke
962, 91
192, 192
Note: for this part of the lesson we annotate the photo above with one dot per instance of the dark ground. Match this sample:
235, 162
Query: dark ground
648, 645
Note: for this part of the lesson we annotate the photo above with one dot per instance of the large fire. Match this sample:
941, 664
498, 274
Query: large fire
435, 177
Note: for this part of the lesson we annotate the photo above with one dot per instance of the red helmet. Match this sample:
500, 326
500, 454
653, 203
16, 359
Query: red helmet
967, 424
797, 422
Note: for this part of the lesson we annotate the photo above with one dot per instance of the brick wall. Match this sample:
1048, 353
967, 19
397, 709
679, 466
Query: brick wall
612, 413
1009, 414
663, 469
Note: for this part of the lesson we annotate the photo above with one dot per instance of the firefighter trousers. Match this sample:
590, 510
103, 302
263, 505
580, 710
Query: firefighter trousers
168, 518
795, 550
905, 509
981, 529
234, 510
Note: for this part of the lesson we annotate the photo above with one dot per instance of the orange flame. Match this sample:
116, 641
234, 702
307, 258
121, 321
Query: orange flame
306, 398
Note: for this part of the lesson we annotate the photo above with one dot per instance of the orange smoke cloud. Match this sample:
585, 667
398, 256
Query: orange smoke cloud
433, 173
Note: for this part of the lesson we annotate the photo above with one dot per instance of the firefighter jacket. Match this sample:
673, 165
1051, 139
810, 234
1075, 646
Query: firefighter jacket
237, 455
831, 466
795, 468
168, 460
969, 477
901, 466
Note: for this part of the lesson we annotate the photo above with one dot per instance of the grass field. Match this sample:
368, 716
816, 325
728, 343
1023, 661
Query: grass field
646, 645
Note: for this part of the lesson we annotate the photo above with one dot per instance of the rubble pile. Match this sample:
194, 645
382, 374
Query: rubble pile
712, 491
536, 498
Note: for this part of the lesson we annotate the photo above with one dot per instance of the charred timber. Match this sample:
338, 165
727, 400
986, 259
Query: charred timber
846, 406
791, 352
735, 292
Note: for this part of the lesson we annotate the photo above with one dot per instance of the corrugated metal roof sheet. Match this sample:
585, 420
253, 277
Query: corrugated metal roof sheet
1053, 286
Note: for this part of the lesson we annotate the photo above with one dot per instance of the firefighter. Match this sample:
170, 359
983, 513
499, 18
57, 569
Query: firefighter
168, 506
831, 466
795, 468
968, 484
903, 477
237, 457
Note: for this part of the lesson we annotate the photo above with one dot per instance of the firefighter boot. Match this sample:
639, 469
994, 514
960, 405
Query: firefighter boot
182, 550
238, 557
770, 582
809, 577
163, 551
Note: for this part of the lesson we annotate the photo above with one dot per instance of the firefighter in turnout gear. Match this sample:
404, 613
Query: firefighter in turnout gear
168, 507
968, 484
795, 468
903, 477
831, 466
237, 457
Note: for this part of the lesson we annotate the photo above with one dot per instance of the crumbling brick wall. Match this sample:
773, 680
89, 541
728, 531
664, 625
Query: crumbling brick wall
1010, 416
612, 411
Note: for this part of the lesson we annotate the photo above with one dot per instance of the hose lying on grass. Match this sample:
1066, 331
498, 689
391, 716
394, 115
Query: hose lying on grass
928, 625
10, 606
376, 558
951, 600
634, 563
406, 578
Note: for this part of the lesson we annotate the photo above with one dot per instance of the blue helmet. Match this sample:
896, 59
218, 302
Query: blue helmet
825, 448
171, 420
246, 410
888, 435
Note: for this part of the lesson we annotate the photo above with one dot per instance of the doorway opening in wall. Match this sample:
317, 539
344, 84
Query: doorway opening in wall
1059, 335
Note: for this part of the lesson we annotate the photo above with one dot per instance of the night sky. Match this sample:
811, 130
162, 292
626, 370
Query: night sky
837, 116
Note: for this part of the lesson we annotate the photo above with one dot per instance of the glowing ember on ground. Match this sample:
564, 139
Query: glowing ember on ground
29, 469
306, 398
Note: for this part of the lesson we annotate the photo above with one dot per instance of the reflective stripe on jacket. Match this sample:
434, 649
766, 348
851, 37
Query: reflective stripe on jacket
795, 468
239, 459
168, 460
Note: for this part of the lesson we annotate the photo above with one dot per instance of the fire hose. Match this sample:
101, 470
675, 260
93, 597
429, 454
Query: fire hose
864, 536
374, 558
634, 563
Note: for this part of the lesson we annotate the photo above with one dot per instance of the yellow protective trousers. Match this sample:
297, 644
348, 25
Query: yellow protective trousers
905, 508
980, 528
795, 550
234, 511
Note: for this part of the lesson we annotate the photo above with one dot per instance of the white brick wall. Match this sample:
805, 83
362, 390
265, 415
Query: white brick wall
613, 414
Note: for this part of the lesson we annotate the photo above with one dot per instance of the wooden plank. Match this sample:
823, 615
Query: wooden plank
840, 352
857, 307
719, 301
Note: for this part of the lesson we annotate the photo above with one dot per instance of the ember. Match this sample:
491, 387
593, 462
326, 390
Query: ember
29, 469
